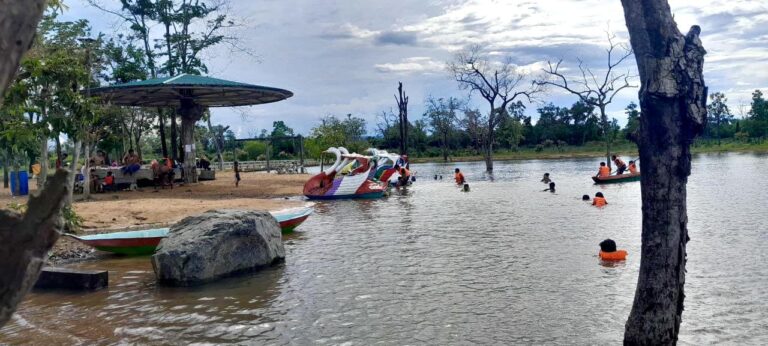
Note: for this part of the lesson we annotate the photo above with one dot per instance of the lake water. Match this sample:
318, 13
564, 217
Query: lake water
503, 264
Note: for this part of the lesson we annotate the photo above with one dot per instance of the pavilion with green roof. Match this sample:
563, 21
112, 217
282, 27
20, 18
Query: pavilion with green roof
190, 95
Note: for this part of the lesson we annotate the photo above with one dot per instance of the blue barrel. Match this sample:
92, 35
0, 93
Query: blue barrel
23, 180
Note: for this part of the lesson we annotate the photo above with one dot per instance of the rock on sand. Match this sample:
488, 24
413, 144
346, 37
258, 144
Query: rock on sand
216, 244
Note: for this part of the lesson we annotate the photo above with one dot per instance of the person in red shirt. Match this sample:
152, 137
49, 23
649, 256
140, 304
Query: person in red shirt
109, 183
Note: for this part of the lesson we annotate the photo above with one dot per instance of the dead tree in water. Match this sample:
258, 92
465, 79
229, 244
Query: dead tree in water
402, 107
673, 102
596, 91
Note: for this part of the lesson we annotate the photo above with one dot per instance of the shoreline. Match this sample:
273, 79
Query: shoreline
585, 154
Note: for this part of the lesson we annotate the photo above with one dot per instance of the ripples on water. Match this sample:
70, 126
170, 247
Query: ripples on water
505, 263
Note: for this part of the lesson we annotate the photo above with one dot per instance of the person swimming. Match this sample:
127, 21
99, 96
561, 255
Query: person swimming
546, 179
465, 188
585, 198
608, 251
599, 200
551, 187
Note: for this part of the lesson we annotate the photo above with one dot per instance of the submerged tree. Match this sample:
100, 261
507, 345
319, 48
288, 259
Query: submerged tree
402, 116
673, 98
594, 90
498, 82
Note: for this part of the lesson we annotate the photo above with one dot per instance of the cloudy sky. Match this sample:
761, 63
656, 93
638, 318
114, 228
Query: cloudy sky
341, 57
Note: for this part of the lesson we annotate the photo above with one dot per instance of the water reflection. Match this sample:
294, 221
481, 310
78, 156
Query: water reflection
503, 264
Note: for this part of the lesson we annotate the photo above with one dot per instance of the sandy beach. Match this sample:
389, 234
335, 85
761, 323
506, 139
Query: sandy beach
147, 207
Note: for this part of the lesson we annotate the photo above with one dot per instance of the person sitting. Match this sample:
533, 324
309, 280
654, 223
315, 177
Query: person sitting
131, 163
95, 183
459, 177
109, 183
604, 170
620, 165
608, 251
551, 187
599, 200
632, 167
405, 177
546, 179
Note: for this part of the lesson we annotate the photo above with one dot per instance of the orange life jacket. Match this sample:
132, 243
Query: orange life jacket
109, 180
599, 201
604, 171
633, 168
459, 178
619, 255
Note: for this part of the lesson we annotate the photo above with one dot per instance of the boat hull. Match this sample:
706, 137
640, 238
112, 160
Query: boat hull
624, 178
370, 195
135, 243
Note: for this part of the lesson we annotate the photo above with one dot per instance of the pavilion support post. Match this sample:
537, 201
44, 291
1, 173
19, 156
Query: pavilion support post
301, 154
190, 112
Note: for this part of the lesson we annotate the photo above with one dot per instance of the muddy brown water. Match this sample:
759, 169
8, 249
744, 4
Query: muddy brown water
503, 264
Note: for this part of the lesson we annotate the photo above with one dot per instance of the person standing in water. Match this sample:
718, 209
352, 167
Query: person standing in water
237, 174
459, 177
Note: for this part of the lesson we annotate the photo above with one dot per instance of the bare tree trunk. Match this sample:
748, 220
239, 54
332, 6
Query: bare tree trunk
18, 23
174, 138
6, 166
73, 172
25, 241
673, 102
402, 106
489, 144
87, 170
190, 114
161, 129
607, 136
445, 147
59, 153
44, 162
218, 145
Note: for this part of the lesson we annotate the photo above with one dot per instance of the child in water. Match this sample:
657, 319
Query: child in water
599, 200
459, 177
585, 198
608, 251
546, 179
551, 187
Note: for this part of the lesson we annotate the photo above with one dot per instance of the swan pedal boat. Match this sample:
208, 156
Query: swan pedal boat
146, 241
622, 178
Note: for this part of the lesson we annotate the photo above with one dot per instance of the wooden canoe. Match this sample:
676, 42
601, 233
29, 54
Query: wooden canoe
145, 242
623, 178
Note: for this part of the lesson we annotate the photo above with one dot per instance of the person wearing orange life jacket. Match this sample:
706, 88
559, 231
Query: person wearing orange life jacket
620, 165
405, 177
632, 167
608, 251
604, 170
459, 177
599, 200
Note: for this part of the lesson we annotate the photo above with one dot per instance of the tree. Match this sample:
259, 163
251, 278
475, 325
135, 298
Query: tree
673, 98
718, 112
442, 119
402, 116
499, 84
596, 91
24, 240
633, 121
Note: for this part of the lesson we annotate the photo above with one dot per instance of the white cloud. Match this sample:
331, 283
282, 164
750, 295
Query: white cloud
419, 65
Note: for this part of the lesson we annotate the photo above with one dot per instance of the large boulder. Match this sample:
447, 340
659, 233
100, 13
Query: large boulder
216, 244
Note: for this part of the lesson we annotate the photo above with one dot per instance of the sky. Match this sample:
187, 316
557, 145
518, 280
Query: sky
346, 57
